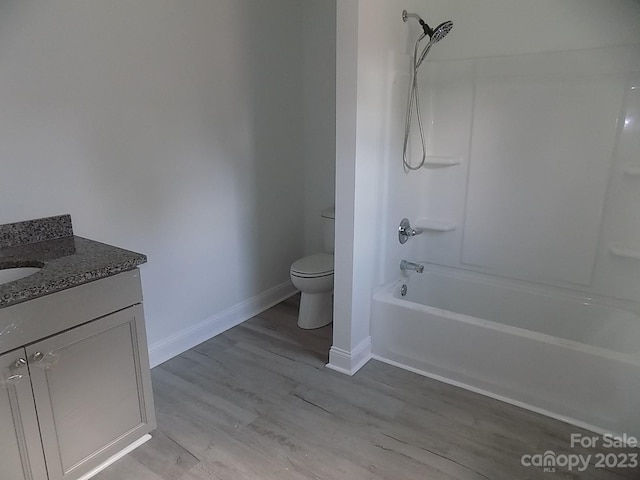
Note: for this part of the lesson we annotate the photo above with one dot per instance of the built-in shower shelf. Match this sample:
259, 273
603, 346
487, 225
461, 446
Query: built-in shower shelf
631, 169
442, 161
436, 225
624, 251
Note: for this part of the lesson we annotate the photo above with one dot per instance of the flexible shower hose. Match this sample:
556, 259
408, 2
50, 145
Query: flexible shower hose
414, 99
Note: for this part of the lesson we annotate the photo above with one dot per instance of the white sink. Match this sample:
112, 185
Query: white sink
11, 274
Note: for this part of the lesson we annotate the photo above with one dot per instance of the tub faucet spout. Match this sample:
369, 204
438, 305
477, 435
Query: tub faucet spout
404, 266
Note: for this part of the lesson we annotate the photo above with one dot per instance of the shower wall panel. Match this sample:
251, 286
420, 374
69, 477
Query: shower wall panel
539, 138
545, 143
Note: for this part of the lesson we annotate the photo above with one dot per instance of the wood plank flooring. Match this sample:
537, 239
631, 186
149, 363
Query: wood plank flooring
258, 403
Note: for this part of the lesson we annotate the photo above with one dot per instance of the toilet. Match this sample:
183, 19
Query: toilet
313, 276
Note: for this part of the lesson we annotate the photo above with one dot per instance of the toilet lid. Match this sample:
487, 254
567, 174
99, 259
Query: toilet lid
318, 265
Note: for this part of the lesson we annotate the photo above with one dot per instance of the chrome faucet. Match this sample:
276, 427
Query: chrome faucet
404, 266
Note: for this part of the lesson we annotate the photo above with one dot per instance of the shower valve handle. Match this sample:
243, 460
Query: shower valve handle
405, 231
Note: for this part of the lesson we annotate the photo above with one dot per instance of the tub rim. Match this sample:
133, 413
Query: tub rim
386, 294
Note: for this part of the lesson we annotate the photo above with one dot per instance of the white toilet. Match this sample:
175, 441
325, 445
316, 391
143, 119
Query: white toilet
313, 276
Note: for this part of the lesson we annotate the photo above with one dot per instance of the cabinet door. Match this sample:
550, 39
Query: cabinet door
20, 448
92, 390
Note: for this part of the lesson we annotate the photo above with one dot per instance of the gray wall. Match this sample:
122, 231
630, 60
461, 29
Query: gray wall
171, 128
319, 83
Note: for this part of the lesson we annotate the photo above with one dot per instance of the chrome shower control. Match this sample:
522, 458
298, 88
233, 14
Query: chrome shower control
405, 231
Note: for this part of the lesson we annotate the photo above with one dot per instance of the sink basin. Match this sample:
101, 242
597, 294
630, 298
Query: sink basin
11, 274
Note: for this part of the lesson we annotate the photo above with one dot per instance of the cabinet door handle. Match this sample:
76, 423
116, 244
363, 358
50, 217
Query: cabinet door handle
21, 362
45, 361
37, 357
13, 379
16, 377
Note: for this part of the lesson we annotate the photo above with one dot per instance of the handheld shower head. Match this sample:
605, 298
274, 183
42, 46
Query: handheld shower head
439, 32
435, 34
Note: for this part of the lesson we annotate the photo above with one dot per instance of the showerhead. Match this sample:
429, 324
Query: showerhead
435, 34
439, 32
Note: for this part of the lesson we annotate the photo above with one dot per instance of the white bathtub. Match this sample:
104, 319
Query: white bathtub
549, 350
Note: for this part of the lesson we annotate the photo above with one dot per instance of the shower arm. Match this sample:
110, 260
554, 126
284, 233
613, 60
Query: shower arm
425, 27
406, 16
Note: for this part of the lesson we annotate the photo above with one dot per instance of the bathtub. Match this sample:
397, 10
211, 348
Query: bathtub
552, 351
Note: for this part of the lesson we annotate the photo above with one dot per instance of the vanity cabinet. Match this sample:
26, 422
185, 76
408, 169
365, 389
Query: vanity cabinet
72, 400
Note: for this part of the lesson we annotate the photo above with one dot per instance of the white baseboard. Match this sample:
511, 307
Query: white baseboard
350, 362
183, 340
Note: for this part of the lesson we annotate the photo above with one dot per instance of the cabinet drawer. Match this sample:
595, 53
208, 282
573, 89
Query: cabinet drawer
36, 319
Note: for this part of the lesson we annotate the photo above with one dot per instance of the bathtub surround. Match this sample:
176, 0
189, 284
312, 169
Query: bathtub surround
542, 121
185, 131
561, 176
534, 143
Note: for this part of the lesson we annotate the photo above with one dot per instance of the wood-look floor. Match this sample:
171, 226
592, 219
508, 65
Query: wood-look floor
258, 403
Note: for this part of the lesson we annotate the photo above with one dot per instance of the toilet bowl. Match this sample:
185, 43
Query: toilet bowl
313, 276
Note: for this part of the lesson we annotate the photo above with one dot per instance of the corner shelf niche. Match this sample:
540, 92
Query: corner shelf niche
625, 251
442, 161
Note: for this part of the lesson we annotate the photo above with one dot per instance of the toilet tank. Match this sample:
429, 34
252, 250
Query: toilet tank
329, 228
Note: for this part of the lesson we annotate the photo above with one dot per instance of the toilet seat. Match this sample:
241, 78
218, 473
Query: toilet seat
313, 266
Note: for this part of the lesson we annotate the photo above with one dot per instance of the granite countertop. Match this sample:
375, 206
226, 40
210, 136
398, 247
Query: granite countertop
65, 260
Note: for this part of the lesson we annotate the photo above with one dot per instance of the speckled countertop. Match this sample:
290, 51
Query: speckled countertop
64, 259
